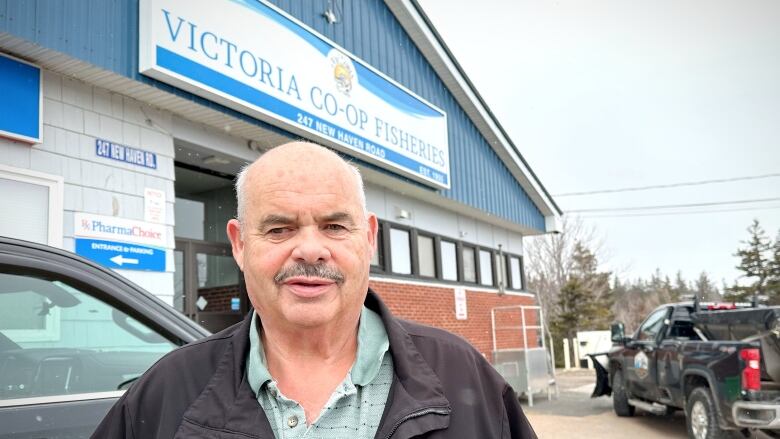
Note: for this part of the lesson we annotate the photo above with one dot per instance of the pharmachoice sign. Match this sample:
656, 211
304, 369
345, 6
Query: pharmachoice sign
249, 55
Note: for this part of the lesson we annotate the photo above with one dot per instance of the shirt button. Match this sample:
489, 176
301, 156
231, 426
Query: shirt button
292, 421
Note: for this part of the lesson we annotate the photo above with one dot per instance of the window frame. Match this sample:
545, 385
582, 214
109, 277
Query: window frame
412, 249
461, 270
383, 240
440, 261
509, 276
492, 257
436, 256
56, 190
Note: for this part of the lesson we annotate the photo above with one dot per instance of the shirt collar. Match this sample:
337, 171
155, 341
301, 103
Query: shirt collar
373, 343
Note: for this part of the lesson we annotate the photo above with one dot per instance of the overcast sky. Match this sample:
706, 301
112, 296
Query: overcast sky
618, 93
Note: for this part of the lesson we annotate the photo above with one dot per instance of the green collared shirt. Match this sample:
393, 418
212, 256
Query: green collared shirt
354, 409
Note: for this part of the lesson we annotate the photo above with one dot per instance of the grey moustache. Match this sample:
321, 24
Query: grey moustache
321, 271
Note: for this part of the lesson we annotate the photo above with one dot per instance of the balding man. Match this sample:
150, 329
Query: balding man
320, 356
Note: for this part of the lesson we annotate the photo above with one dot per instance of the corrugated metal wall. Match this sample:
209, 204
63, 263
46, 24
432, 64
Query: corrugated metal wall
105, 33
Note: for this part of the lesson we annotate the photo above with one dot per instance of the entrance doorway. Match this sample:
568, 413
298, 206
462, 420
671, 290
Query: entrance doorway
211, 284
208, 286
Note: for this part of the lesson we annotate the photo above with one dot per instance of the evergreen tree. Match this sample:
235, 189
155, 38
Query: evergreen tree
753, 264
573, 305
680, 290
705, 289
585, 300
773, 277
599, 300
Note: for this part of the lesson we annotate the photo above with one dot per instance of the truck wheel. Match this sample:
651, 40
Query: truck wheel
701, 416
620, 396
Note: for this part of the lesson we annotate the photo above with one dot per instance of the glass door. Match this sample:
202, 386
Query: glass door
209, 285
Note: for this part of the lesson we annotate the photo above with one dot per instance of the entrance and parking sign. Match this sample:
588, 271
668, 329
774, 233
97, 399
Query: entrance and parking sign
121, 243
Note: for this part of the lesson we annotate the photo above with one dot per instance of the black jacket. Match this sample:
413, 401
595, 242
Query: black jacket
442, 388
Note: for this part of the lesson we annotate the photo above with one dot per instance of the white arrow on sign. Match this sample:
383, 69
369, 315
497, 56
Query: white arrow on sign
119, 260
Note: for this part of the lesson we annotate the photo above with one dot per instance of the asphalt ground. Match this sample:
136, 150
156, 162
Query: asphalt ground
575, 414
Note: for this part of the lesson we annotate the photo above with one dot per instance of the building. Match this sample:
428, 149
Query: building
125, 122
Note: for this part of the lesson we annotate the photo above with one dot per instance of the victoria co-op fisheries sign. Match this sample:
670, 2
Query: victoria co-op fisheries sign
253, 57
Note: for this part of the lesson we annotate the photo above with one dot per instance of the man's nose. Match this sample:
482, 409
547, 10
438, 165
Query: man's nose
310, 246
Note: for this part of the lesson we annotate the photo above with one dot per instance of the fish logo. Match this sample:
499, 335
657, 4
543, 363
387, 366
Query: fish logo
343, 72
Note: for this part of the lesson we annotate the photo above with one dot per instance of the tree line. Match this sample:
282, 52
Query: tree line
577, 295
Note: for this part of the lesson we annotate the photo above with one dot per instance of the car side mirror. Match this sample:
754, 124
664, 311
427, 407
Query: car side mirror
618, 331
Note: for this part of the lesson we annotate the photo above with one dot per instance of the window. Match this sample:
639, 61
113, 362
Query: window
485, 268
652, 326
515, 274
32, 206
56, 340
449, 260
426, 256
400, 252
469, 264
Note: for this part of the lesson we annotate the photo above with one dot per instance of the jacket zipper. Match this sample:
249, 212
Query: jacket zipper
423, 412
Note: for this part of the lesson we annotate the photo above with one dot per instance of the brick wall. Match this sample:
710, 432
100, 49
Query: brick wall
219, 297
435, 306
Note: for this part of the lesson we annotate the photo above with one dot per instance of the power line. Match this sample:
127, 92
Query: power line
694, 212
670, 185
674, 206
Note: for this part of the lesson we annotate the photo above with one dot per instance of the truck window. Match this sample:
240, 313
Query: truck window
652, 325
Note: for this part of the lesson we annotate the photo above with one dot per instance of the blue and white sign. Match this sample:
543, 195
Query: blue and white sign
122, 153
111, 228
249, 55
235, 303
122, 255
20, 101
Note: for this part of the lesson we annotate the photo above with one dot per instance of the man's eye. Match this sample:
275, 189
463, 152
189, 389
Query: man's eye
335, 228
276, 231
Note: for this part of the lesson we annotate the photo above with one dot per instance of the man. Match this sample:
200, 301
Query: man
321, 356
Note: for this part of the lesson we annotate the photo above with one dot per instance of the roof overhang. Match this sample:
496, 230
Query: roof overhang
420, 29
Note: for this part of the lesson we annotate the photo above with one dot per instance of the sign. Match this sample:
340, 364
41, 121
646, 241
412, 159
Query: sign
461, 309
641, 365
121, 255
235, 303
122, 153
154, 206
255, 58
119, 229
20, 102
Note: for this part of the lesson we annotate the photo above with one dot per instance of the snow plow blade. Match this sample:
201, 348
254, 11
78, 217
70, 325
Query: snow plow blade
602, 378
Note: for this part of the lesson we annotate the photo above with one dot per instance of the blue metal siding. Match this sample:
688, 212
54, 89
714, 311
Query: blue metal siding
105, 33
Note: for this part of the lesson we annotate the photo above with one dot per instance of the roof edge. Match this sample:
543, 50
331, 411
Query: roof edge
422, 31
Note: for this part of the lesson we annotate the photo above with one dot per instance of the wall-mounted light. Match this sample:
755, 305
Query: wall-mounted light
402, 214
331, 14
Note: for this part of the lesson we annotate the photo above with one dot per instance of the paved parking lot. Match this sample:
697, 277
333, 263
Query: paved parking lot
575, 414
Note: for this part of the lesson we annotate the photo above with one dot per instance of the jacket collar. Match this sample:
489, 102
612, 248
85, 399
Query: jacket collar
229, 404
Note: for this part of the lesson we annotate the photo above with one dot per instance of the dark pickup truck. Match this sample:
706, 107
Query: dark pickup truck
719, 363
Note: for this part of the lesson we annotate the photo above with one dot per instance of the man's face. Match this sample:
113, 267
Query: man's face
306, 245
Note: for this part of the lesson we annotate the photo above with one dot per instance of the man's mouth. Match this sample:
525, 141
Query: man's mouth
308, 287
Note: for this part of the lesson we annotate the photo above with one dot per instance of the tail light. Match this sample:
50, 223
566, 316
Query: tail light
751, 374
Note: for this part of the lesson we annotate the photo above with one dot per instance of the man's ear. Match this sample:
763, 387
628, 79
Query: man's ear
373, 228
236, 241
